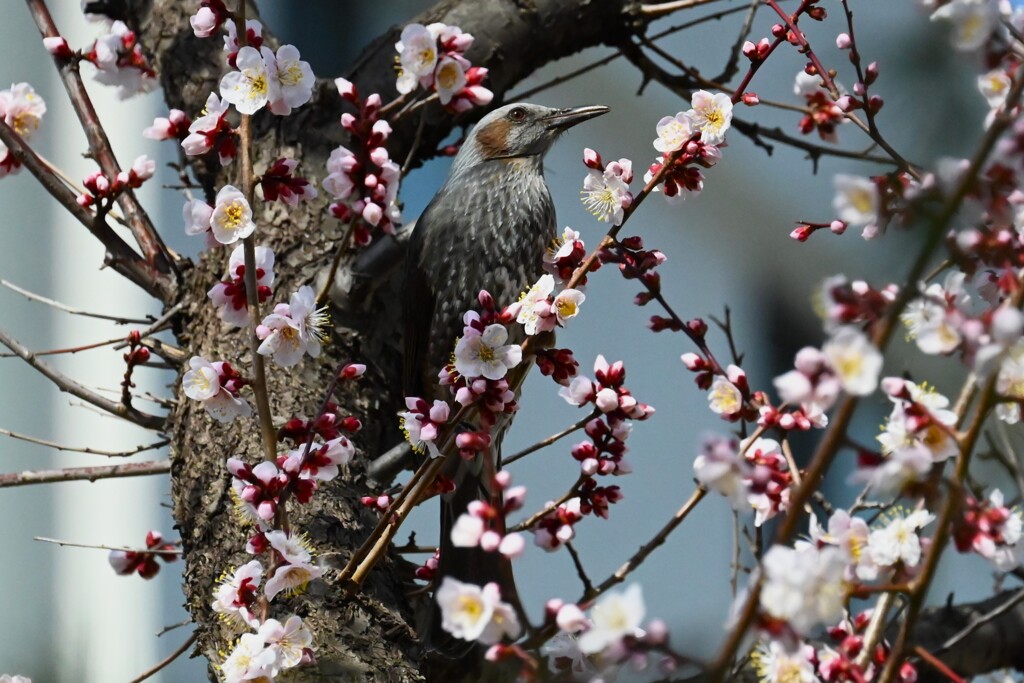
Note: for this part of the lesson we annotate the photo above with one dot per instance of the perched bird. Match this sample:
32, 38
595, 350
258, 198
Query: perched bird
486, 228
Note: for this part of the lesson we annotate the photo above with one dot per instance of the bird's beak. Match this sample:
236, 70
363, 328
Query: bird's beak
567, 118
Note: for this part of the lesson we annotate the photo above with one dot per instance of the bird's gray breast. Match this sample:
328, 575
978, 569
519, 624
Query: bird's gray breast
487, 228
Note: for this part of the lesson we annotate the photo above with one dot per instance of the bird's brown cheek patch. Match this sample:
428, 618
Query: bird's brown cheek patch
493, 140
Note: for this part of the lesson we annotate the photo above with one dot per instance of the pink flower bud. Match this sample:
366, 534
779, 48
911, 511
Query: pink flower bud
58, 47
750, 99
346, 89
843, 41
592, 159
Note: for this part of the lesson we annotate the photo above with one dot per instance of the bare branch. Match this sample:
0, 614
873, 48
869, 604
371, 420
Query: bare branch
71, 544
549, 440
67, 384
119, 319
131, 469
167, 660
85, 449
157, 256
120, 255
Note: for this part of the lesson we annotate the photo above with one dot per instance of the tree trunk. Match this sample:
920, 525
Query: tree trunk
370, 637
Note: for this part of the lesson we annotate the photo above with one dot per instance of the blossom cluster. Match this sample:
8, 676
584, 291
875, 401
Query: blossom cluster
848, 362
319, 451
689, 141
229, 295
603, 453
478, 372
22, 110
364, 182
433, 57
120, 62
753, 473
919, 433
482, 525
101, 191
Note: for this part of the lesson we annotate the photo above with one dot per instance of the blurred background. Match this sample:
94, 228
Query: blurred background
69, 617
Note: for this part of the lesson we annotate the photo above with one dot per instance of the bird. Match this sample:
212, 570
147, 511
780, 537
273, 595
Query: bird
487, 228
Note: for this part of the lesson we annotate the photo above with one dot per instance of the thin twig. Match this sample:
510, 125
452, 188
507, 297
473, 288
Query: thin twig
128, 469
662, 9
588, 587
549, 440
980, 620
67, 384
126, 549
121, 257
119, 319
85, 449
167, 660
171, 627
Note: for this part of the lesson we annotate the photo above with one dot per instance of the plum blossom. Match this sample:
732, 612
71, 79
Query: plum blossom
235, 595
537, 313
278, 182
898, 541
825, 114
725, 397
473, 612
606, 192
433, 57
450, 78
217, 386
297, 568
421, 422
321, 462
294, 329
777, 663
170, 127
291, 639
934, 320
256, 488
854, 359
994, 87
615, 616
231, 219
850, 535
120, 62
229, 296
1010, 384
557, 527
673, 131
973, 21
485, 354
293, 76
250, 660
917, 434
804, 586
857, 202
211, 131
21, 109
711, 115
417, 52
251, 87
721, 468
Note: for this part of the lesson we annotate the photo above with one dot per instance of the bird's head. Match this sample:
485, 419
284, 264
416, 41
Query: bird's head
520, 130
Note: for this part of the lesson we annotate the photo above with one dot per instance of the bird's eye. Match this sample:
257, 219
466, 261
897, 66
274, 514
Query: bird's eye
517, 114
